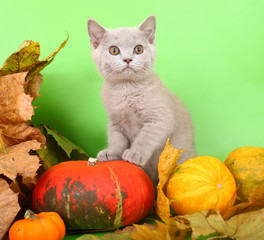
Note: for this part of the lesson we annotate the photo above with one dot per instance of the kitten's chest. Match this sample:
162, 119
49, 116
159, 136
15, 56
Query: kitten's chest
127, 110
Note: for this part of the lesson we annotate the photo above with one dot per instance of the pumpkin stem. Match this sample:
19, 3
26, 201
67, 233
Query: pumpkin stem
92, 161
30, 214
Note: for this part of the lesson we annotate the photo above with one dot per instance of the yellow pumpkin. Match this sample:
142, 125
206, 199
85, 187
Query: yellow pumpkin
199, 184
247, 166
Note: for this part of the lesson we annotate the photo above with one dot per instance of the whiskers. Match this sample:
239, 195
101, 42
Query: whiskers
119, 71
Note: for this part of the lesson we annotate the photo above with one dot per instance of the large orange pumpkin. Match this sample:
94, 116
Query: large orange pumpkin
201, 183
43, 226
104, 196
247, 166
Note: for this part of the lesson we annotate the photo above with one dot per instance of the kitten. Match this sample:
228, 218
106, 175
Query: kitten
142, 112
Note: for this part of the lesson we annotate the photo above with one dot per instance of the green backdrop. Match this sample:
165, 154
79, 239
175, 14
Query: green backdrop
210, 52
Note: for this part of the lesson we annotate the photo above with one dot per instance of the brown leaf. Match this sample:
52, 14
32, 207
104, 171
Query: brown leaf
16, 110
246, 226
177, 228
32, 87
167, 164
18, 161
205, 223
9, 207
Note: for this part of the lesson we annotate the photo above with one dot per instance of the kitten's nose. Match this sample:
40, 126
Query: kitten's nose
127, 60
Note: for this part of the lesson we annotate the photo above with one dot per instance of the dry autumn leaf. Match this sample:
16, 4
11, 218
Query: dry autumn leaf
19, 161
21, 60
177, 228
205, 223
144, 232
167, 164
243, 226
15, 111
171, 230
9, 207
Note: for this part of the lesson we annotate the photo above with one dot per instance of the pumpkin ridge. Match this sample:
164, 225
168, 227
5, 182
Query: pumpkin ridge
119, 207
58, 222
201, 173
44, 228
196, 177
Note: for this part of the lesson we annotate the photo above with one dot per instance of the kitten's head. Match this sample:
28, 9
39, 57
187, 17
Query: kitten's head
123, 53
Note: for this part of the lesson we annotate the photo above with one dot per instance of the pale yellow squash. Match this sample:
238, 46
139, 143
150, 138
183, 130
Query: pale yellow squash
247, 166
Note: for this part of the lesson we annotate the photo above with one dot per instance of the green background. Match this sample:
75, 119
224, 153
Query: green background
209, 52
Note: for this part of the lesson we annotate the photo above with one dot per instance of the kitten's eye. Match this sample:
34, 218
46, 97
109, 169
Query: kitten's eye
138, 49
114, 50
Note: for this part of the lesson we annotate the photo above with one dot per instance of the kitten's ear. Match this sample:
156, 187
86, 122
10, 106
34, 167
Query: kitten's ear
149, 28
96, 32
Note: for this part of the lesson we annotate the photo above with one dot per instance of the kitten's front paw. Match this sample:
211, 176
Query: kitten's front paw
132, 156
107, 155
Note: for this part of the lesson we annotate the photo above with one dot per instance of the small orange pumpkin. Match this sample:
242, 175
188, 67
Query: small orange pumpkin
247, 166
199, 184
42, 226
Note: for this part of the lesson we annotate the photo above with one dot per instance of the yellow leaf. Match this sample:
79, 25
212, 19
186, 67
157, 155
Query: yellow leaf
172, 230
177, 229
22, 60
145, 233
167, 164
53, 54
